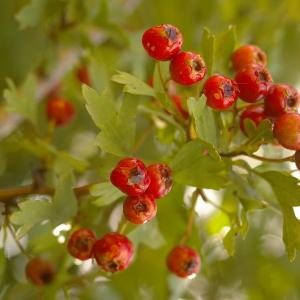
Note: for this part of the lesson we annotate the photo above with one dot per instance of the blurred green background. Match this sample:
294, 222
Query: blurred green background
37, 35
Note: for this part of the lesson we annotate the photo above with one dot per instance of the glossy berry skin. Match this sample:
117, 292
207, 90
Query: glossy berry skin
183, 261
60, 111
221, 92
187, 68
162, 42
297, 159
287, 131
161, 180
254, 112
139, 209
130, 176
80, 243
113, 252
83, 76
281, 98
247, 55
253, 82
39, 271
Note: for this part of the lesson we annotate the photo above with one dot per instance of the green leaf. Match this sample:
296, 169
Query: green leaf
229, 242
133, 85
117, 126
31, 14
62, 208
208, 49
287, 192
204, 120
106, 193
198, 164
22, 101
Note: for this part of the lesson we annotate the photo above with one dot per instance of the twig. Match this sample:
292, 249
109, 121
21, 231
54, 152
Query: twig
261, 158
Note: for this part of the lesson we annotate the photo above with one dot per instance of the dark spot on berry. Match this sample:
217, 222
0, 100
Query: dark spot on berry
197, 65
227, 89
260, 56
47, 277
112, 266
171, 33
82, 244
262, 75
291, 101
136, 176
140, 207
166, 177
190, 266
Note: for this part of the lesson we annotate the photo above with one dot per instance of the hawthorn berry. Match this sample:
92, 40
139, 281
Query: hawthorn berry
60, 111
113, 252
39, 271
247, 55
287, 130
254, 112
253, 82
130, 176
177, 100
221, 92
281, 98
160, 180
140, 209
83, 76
81, 242
187, 68
162, 42
183, 261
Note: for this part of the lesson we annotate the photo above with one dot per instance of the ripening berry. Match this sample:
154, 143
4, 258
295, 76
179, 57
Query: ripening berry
139, 209
183, 261
177, 100
60, 111
162, 42
113, 252
281, 98
160, 180
287, 131
297, 159
221, 92
81, 242
187, 68
130, 176
248, 55
39, 271
253, 82
83, 76
254, 112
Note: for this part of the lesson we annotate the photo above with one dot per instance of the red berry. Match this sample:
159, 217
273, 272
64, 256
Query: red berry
297, 159
247, 55
253, 82
221, 92
81, 242
83, 76
281, 98
254, 112
39, 271
177, 100
140, 209
130, 176
113, 252
162, 42
287, 131
160, 180
187, 68
60, 111
183, 261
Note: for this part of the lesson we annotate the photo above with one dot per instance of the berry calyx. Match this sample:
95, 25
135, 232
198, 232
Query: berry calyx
162, 42
130, 176
83, 75
221, 92
253, 112
281, 98
253, 82
187, 68
60, 111
113, 252
139, 209
183, 261
81, 242
246, 55
39, 271
287, 131
160, 180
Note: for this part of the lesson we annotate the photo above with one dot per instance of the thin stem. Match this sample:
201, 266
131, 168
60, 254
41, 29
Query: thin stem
261, 158
123, 226
142, 138
190, 223
207, 200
